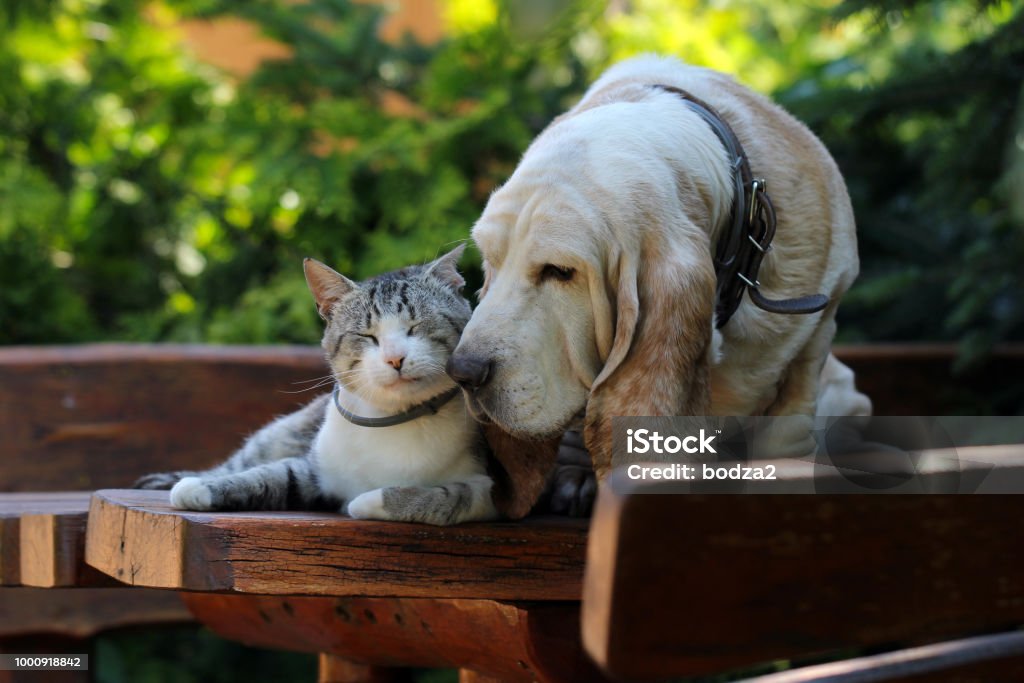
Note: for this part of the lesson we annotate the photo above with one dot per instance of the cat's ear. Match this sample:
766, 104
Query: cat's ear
446, 268
328, 285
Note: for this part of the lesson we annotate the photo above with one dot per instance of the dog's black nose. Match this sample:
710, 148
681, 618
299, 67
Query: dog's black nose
468, 370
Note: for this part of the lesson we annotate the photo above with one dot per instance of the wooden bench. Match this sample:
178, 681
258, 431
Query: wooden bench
695, 584
502, 598
479, 597
85, 417
674, 584
42, 545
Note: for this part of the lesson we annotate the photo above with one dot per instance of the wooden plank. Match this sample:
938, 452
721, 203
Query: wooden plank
104, 415
506, 641
10, 550
922, 379
136, 537
83, 612
55, 538
690, 584
53, 551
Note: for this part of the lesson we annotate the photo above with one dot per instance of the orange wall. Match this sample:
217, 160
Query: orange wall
237, 46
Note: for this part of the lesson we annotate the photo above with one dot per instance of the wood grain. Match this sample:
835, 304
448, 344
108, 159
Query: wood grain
923, 379
136, 537
689, 584
42, 537
83, 612
53, 551
103, 415
506, 641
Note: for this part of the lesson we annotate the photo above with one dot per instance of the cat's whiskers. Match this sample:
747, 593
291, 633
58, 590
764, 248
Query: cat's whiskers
323, 383
345, 375
315, 379
317, 382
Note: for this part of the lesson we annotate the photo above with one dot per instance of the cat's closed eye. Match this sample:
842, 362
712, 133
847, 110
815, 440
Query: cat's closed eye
370, 337
412, 328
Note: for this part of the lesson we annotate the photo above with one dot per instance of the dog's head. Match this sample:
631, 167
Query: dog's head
598, 288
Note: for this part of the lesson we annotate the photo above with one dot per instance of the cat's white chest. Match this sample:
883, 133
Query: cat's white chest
427, 451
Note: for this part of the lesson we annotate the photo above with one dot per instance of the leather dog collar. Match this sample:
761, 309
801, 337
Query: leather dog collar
742, 247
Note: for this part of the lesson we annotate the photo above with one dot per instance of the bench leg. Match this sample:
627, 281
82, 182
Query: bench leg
335, 669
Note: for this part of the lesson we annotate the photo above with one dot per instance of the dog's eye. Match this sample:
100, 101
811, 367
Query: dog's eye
553, 272
371, 338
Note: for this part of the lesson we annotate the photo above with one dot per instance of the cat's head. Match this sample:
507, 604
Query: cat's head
387, 339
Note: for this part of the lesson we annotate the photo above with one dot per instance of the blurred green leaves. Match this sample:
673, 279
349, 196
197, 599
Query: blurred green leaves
928, 148
144, 195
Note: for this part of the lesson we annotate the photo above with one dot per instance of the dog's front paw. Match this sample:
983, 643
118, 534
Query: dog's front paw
573, 490
572, 486
192, 494
369, 505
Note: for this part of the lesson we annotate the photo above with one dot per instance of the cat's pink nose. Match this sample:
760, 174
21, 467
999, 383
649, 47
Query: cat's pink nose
395, 361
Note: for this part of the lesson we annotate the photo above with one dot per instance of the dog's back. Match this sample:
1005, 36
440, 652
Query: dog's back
815, 247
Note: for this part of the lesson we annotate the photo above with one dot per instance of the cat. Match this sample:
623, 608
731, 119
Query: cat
394, 441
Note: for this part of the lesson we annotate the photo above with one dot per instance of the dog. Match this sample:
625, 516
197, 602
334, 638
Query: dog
606, 291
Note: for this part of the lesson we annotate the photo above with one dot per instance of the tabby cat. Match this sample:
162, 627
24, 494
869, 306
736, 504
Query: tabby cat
394, 441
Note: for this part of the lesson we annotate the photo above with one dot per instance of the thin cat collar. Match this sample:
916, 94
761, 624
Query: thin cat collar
428, 407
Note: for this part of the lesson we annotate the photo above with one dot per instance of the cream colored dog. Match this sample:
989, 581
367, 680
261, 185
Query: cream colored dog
599, 282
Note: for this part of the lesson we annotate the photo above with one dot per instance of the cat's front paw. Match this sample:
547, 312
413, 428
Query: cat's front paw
192, 494
369, 505
159, 481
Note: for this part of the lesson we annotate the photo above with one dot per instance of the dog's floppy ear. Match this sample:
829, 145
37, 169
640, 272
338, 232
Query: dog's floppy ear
658, 362
519, 470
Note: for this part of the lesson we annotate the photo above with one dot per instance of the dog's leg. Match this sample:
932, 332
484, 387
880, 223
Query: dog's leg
837, 392
798, 395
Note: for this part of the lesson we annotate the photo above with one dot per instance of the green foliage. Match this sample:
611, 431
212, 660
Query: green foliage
191, 654
145, 196
186, 654
931, 148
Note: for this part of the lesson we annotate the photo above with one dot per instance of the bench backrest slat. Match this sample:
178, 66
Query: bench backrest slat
691, 584
101, 415
90, 417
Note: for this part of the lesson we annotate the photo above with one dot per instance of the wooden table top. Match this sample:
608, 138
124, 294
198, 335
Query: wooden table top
138, 538
41, 540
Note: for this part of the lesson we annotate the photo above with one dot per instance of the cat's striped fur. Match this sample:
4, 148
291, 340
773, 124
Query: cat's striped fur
387, 340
